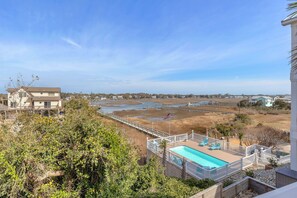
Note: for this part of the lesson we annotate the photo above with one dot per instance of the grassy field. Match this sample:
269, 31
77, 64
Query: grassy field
185, 119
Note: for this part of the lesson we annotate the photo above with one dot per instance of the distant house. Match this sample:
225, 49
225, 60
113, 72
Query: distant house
120, 97
3, 102
114, 97
154, 97
286, 98
265, 100
34, 98
238, 96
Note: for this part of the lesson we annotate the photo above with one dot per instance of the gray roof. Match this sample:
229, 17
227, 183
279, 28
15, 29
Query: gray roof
290, 19
36, 89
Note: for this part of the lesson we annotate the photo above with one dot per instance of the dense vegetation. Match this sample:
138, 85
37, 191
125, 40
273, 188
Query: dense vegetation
278, 104
77, 156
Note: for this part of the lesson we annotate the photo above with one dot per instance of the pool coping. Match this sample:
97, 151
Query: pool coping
200, 152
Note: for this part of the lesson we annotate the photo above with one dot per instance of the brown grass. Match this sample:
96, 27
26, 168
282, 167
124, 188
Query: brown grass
186, 119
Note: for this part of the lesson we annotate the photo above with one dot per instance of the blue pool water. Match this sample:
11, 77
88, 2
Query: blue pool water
199, 157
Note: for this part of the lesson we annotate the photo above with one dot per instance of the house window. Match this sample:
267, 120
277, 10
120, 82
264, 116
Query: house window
41, 93
13, 104
22, 94
47, 105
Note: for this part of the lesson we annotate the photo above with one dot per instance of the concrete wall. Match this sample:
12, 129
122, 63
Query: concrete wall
259, 186
283, 180
245, 184
214, 191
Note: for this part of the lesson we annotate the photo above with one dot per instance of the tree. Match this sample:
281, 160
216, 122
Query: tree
77, 156
292, 6
225, 129
243, 103
259, 103
184, 173
243, 118
163, 145
266, 136
240, 137
280, 104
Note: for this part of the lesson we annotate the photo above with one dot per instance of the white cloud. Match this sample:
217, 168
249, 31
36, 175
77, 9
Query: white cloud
71, 42
237, 86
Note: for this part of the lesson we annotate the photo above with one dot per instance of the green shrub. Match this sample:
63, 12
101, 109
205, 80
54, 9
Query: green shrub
273, 162
227, 182
201, 183
224, 129
243, 103
280, 104
243, 118
249, 173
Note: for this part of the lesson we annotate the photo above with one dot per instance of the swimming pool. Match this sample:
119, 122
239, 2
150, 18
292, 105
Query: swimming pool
198, 157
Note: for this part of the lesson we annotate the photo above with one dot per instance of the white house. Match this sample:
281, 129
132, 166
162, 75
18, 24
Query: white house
286, 98
34, 98
266, 100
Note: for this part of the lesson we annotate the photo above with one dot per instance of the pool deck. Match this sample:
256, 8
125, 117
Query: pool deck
228, 157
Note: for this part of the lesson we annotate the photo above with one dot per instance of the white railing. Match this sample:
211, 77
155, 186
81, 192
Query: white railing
154, 144
234, 149
151, 131
199, 138
226, 146
180, 138
284, 159
192, 168
264, 158
249, 150
174, 159
248, 161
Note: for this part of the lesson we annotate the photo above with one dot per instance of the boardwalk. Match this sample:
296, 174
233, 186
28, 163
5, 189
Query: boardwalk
139, 127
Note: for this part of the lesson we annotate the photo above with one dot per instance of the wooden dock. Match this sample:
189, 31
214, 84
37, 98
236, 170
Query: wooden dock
152, 132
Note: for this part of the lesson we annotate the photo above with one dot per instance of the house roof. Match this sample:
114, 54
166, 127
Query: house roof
46, 98
292, 18
258, 97
36, 89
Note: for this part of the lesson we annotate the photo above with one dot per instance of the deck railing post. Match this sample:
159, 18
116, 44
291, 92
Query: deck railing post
241, 162
227, 170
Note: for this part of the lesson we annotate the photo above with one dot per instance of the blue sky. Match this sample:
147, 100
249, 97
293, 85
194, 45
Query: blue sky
168, 46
